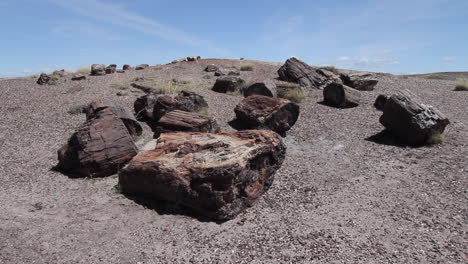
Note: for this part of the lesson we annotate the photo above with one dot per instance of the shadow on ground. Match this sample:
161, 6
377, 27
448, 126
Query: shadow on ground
384, 137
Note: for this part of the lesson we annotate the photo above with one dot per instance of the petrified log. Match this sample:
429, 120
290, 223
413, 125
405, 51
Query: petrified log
258, 111
111, 69
216, 175
410, 121
341, 96
164, 104
98, 69
211, 68
141, 66
126, 67
226, 84
46, 79
262, 87
144, 106
78, 77
297, 71
185, 122
380, 102
134, 128
190, 101
98, 148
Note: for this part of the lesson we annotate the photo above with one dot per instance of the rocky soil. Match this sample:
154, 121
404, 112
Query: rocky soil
346, 193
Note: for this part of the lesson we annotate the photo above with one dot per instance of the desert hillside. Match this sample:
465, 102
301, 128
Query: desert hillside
347, 192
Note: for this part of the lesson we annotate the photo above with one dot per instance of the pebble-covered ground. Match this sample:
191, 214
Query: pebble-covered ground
346, 193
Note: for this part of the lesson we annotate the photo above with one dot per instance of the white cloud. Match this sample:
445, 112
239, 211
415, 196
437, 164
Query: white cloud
449, 58
365, 63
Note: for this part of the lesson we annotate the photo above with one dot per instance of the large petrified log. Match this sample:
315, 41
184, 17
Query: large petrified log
262, 87
134, 128
98, 148
226, 84
216, 175
141, 66
98, 69
258, 111
177, 120
410, 121
190, 102
144, 105
339, 95
297, 71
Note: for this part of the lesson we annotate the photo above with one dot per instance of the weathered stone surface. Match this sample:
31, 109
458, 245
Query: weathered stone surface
226, 84
163, 105
341, 96
211, 68
98, 148
263, 112
364, 84
410, 121
141, 66
126, 67
98, 69
46, 79
134, 128
144, 106
216, 175
295, 70
183, 121
78, 77
190, 101
262, 87
111, 69
380, 102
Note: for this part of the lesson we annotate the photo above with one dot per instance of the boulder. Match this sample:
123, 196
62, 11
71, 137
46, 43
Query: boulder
111, 69
215, 175
297, 71
341, 96
411, 121
141, 66
182, 121
126, 67
134, 128
78, 77
211, 68
98, 148
46, 79
190, 101
380, 102
262, 87
226, 84
263, 112
98, 69
144, 106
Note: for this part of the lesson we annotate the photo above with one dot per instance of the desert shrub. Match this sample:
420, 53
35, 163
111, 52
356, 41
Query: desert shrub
203, 111
234, 93
462, 85
84, 70
77, 109
120, 85
247, 67
437, 138
295, 95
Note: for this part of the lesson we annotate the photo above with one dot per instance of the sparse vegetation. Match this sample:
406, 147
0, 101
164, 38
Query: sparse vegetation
84, 70
203, 111
77, 109
234, 93
295, 95
120, 85
462, 85
437, 138
247, 67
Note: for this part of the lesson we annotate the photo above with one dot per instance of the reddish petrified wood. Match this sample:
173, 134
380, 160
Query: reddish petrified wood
185, 121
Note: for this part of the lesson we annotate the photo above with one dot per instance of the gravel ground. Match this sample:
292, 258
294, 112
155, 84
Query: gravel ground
346, 193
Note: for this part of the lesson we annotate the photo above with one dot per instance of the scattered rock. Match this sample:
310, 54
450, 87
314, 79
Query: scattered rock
121, 94
126, 67
120, 71
190, 101
143, 107
297, 71
233, 73
182, 121
380, 102
193, 58
228, 84
410, 121
211, 68
141, 66
219, 73
134, 128
98, 69
46, 79
341, 96
262, 87
263, 112
98, 148
78, 77
216, 175
111, 69
60, 73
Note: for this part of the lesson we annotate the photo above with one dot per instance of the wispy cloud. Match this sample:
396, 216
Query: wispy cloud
449, 58
365, 63
121, 16
72, 28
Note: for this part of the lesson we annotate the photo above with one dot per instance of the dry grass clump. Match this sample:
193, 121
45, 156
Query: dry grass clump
234, 93
296, 95
203, 111
120, 85
437, 138
77, 109
462, 85
165, 87
84, 70
247, 67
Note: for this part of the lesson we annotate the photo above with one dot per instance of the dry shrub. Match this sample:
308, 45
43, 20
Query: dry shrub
462, 85
247, 67
295, 95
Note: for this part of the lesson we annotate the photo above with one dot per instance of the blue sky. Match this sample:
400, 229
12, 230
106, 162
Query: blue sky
411, 36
